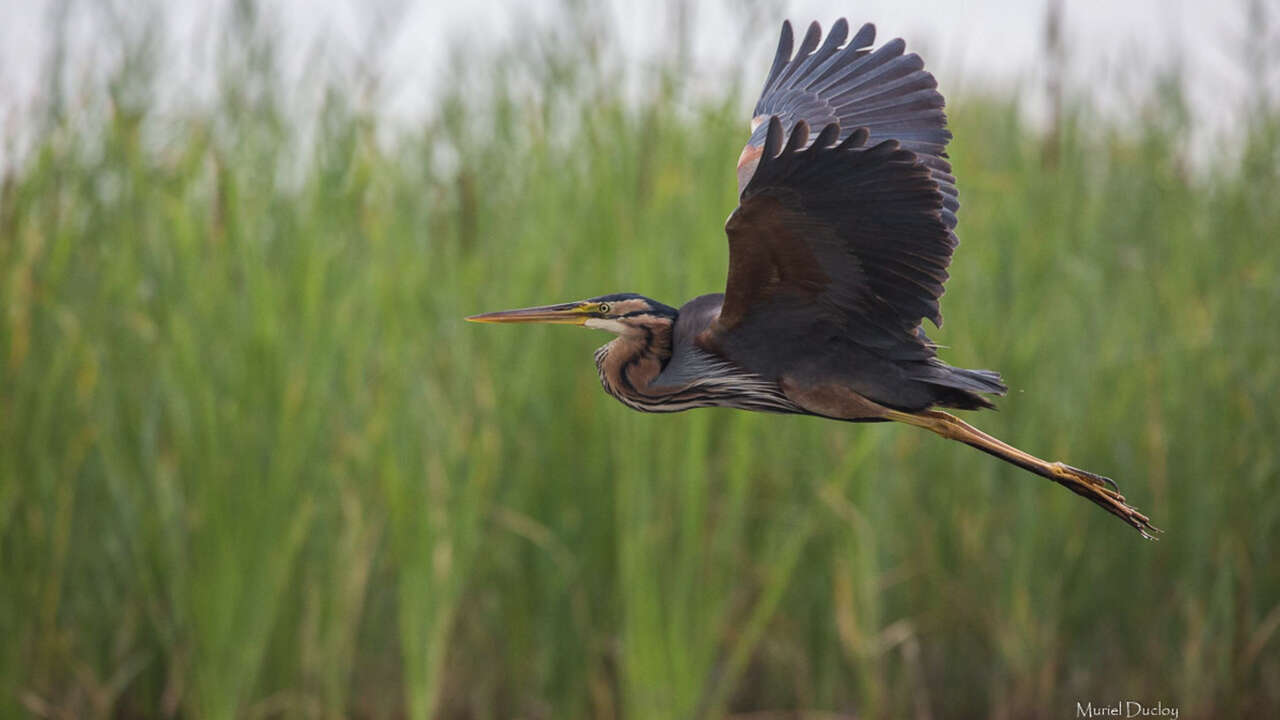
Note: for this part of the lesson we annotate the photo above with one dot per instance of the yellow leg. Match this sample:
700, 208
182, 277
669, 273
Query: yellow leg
1096, 488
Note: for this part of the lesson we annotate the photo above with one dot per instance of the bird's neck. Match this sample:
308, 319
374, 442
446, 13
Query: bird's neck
629, 364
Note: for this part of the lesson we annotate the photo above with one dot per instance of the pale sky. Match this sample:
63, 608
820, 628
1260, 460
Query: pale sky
965, 43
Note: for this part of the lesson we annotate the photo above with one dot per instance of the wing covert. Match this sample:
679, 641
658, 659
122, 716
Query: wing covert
836, 241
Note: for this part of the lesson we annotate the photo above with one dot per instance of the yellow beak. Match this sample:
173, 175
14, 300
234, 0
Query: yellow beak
564, 314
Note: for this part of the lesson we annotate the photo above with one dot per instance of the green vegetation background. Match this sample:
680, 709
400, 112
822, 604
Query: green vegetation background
252, 462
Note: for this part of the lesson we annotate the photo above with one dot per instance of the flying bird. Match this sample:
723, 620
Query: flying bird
838, 250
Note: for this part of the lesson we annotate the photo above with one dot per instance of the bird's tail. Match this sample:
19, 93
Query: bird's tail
1098, 489
961, 388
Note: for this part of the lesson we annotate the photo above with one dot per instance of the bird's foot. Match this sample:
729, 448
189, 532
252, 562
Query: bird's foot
1104, 492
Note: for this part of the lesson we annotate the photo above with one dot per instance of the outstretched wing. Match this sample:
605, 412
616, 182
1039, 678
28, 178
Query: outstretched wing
836, 247
888, 93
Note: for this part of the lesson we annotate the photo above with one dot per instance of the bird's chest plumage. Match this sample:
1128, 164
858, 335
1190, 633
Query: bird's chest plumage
635, 377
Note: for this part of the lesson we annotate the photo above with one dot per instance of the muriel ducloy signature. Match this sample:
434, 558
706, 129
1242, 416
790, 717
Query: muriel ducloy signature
1126, 709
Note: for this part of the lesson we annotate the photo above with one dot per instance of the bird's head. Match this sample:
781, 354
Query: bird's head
620, 313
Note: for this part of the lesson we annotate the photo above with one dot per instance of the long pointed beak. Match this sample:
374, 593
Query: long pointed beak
563, 314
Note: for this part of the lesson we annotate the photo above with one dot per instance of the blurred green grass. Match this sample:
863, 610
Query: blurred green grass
255, 465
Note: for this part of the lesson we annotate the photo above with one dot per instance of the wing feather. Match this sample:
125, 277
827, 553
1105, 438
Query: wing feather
840, 244
835, 243
883, 90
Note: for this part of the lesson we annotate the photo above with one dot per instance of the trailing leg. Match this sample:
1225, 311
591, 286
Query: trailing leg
1098, 489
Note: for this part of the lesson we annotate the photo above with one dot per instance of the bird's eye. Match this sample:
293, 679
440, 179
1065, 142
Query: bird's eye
603, 308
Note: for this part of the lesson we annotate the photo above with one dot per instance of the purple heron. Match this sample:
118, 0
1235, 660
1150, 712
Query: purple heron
838, 250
